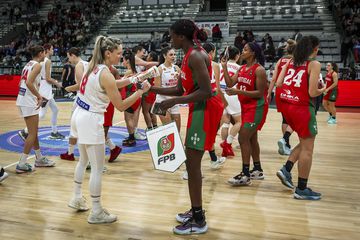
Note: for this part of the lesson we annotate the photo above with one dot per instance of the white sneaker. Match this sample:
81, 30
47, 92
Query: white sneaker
185, 175
240, 180
257, 175
218, 163
3, 175
102, 217
139, 135
282, 146
78, 204
44, 162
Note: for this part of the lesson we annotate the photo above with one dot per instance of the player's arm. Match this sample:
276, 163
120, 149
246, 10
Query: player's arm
273, 80
216, 69
230, 81
171, 91
79, 72
314, 72
48, 75
157, 80
107, 82
140, 62
30, 83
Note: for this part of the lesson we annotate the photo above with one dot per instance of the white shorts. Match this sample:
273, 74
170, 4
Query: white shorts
233, 107
87, 127
28, 111
174, 109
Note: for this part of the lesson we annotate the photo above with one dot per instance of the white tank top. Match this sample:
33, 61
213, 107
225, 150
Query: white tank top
232, 68
85, 65
25, 97
167, 80
91, 96
139, 68
45, 87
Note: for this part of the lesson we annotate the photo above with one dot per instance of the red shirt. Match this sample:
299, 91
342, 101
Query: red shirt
189, 84
282, 62
247, 82
295, 88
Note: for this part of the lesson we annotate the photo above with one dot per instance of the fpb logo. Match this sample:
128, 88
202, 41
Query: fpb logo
166, 145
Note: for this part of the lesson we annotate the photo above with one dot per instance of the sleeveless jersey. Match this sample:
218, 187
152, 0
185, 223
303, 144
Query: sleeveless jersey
45, 87
282, 63
247, 82
295, 88
85, 65
25, 97
139, 68
168, 76
329, 81
188, 82
232, 68
91, 95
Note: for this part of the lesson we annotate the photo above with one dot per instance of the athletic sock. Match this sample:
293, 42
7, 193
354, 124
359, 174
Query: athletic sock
257, 166
213, 155
198, 214
230, 139
302, 183
23, 159
286, 137
289, 165
246, 169
71, 149
38, 154
110, 143
131, 136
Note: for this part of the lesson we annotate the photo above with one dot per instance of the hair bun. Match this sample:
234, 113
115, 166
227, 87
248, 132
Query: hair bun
202, 35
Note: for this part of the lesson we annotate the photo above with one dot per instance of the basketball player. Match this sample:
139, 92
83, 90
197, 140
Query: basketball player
252, 92
168, 78
299, 84
3, 174
97, 89
205, 110
331, 92
149, 98
284, 142
29, 101
80, 68
232, 109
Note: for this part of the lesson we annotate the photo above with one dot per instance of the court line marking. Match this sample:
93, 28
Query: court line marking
118, 123
12, 164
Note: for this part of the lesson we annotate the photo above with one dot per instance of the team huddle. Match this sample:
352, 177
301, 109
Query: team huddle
231, 95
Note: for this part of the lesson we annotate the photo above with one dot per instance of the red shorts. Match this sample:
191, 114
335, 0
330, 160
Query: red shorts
150, 98
203, 122
301, 119
254, 116
126, 92
108, 115
332, 95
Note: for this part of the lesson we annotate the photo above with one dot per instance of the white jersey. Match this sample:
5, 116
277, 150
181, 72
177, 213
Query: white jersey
85, 66
139, 68
45, 87
232, 68
213, 79
168, 79
92, 97
25, 97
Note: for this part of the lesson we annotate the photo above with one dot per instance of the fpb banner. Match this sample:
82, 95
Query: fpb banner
166, 147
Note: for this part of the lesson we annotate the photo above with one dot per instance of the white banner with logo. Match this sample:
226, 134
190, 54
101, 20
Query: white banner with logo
207, 26
166, 147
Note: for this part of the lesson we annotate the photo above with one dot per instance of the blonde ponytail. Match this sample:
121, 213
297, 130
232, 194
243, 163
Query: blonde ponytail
102, 44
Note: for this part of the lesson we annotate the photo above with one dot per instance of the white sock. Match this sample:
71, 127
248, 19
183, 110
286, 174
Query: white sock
38, 154
96, 204
110, 143
77, 190
26, 130
229, 139
23, 159
71, 149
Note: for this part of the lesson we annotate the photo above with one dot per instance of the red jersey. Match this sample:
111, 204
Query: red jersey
282, 62
329, 81
247, 82
189, 84
295, 88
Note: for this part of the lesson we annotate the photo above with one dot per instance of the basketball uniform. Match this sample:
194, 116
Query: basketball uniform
26, 101
85, 67
204, 116
333, 93
150, 97
92, 102
45, 87
282, 63
254, 110
168, 80
233, 107
296, 104
109, 113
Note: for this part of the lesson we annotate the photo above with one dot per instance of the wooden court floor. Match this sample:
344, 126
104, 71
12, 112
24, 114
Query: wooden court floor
34, 206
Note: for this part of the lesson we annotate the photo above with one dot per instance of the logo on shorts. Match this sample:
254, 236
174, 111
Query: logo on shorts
166, 145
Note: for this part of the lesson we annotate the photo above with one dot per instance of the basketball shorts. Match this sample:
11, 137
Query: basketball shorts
254, 117
28, 111
87, 127
233, 108
301, 119
174, 109
149, 97
203, 122
108, 115
332, 95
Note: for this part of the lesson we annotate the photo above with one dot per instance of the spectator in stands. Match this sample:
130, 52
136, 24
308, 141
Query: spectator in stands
297, 36
356, 48
11, 14
248, 36
166, 37
216, 33
238, 42
281, 48
17, 13
268, 48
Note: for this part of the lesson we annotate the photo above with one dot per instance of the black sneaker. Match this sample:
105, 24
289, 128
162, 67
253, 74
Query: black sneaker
57, 135
127, 142
3, 174
191, 227
306, 194
23, 135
